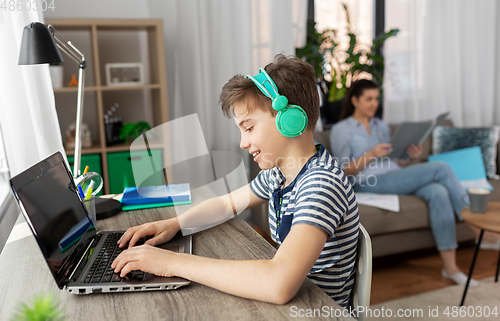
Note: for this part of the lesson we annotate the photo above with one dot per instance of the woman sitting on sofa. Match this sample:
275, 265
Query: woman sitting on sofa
360, 142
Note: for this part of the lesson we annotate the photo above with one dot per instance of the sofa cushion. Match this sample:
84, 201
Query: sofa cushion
446, 139
413, 214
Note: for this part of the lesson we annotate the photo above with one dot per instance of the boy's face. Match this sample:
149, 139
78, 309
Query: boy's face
259, 135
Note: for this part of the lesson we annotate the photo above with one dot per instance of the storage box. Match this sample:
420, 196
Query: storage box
121, 174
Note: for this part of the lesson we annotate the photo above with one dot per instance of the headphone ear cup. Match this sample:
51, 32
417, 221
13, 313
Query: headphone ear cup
292, 121
280, 102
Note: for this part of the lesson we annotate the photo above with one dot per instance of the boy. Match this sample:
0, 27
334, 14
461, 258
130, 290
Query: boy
313, 214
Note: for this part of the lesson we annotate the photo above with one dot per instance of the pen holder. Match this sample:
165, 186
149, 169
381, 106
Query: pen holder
85, 179
90, 205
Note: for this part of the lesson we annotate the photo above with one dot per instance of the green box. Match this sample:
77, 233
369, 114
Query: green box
93, 161
121, 173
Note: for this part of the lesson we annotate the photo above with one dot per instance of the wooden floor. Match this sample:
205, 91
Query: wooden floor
409, 274
400, 276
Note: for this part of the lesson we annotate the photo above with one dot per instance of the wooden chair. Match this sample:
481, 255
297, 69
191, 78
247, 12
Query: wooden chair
360, 294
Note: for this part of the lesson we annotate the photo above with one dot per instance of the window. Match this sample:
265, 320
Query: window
4, 173
6, 202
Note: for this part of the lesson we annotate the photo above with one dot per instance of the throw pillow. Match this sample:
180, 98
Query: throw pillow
467, 164
445, 139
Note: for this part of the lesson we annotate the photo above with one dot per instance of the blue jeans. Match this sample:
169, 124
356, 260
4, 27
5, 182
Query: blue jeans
437, 184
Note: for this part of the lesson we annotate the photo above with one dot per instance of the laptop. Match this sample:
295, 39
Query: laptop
78, 256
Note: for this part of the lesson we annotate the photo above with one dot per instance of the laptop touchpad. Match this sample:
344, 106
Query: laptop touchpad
172, 247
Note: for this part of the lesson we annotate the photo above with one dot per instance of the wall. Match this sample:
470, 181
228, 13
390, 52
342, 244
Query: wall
117, 9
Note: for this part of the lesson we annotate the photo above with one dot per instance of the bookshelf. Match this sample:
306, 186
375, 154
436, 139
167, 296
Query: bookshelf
104, 41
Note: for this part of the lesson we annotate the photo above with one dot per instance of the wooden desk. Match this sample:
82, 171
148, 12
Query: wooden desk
488, 221
23, 274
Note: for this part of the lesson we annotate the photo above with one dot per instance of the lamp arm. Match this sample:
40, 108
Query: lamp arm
71, 51
79, 58
79, 116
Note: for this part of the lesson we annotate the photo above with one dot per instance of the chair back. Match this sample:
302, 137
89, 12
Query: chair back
360, 294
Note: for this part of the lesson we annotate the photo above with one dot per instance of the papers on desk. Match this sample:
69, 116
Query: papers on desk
388, 202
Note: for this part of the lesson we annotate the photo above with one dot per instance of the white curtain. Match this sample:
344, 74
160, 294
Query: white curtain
207, 42
28, 118
444, 59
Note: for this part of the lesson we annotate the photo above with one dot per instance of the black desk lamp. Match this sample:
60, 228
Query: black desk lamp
39, 46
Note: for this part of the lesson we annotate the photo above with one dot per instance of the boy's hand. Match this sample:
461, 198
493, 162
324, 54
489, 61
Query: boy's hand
163, 231
145, 258
381, 150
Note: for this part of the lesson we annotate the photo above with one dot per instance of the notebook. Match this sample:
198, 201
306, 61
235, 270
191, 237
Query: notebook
78, 256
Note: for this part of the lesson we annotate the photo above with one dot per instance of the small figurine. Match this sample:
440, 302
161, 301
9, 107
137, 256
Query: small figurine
86, 136
73, 81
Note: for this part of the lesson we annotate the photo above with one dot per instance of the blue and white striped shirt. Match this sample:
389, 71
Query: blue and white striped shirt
322, 196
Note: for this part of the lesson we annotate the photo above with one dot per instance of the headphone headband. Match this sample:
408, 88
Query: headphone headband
265, 84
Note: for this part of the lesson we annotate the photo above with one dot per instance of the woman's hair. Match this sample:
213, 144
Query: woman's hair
357, 89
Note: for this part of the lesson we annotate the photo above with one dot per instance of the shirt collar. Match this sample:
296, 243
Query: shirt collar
353, 121
280, 178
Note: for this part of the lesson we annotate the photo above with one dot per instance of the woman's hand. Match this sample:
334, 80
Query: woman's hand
146, 258
414, 151
380, 150
163, 231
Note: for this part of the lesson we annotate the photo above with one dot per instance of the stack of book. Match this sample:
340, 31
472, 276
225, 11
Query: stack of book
135, 198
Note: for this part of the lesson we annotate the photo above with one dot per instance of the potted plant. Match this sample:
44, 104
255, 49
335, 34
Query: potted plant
44, 308
132, 130
343, 66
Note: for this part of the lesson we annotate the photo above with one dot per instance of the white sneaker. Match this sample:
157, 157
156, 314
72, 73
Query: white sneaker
489, 246
460, 278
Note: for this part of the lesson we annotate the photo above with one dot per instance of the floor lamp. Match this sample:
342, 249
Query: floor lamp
39, 46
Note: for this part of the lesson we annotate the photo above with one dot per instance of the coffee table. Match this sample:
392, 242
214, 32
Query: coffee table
488, 221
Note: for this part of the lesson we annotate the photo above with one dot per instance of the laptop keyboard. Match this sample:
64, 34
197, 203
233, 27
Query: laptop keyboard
101, 270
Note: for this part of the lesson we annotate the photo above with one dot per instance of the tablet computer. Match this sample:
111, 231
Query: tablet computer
412, 133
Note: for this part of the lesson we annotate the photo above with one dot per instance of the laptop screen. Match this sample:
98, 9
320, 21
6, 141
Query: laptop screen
47, 196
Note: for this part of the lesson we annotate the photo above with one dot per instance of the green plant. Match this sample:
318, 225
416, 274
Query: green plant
44, 308
344, 65
314, 52
130, 130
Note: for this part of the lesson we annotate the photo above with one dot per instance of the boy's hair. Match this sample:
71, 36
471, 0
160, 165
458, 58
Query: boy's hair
295, 80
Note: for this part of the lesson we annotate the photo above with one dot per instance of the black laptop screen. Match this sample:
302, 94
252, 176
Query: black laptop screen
57, 218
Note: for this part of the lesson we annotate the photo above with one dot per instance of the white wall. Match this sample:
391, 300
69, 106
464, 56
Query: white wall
116, 9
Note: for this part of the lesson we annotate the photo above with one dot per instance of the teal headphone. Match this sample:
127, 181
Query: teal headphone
291, 119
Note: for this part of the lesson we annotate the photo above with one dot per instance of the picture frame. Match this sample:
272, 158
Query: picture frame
124, 74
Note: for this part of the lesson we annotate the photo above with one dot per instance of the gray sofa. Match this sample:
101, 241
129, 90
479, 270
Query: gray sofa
408, 230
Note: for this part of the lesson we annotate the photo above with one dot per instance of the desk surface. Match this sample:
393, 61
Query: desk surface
23, 274
488, 221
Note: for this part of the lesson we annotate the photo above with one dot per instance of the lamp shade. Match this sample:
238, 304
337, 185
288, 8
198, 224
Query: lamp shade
38, 46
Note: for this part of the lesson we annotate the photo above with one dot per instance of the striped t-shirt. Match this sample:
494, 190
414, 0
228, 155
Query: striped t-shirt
322, 196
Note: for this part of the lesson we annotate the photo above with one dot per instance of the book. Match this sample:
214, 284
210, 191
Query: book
412, 133
169, 194
153, 205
